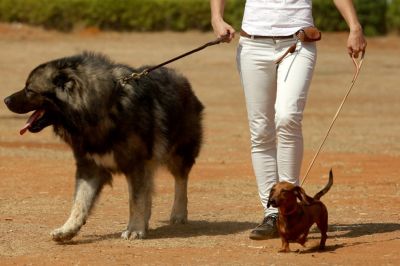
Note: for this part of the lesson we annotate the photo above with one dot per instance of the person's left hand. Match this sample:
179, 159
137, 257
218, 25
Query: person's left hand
356, 43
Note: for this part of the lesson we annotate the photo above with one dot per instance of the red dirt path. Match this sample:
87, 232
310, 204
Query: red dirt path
36, 170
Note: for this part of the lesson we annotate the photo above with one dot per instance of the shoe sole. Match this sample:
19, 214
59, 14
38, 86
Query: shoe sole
262, 237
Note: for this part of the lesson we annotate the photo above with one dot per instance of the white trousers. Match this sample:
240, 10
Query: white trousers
275, 99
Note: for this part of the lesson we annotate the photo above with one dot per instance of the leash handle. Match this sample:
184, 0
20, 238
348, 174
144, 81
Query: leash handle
357, 65
219, 40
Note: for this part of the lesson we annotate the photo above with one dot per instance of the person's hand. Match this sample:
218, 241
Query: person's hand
356, 43
223, 30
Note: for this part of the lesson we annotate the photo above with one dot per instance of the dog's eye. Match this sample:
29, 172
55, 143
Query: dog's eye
29, 91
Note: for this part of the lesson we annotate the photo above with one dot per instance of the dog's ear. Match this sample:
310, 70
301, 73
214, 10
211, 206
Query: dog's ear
63, 80
301, 195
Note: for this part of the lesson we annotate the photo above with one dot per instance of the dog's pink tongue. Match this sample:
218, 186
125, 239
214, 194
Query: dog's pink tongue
35, 116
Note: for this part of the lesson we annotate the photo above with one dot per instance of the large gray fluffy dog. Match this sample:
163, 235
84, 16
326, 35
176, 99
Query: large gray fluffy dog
114, 127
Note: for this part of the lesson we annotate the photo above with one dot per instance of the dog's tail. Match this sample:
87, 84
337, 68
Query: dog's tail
326, 188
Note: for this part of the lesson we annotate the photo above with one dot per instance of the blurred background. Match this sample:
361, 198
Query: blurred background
378, 17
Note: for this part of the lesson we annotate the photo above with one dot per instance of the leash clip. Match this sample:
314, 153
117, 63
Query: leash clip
134, 75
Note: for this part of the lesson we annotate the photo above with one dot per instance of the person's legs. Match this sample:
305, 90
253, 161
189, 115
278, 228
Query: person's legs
255, 59
275, 98
294, 76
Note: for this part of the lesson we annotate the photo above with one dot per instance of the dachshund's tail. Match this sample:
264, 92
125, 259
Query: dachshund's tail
326, 188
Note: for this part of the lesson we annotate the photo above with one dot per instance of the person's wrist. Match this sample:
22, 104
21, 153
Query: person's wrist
216, 19
356, 28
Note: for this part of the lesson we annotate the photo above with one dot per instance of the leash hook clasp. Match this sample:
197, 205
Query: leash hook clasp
134, 75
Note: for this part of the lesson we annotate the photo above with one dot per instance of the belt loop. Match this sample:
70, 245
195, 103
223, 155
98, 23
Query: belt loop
252, 37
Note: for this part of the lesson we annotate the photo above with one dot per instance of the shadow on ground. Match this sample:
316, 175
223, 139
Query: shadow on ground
352, 231
206, 228
200, 228
357, 230
192, 229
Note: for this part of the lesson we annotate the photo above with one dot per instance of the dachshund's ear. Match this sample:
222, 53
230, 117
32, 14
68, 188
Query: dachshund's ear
302, 196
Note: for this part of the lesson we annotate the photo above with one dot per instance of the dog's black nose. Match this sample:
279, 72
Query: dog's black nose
7, 101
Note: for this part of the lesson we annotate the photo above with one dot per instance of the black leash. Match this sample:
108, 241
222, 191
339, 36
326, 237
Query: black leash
146, 71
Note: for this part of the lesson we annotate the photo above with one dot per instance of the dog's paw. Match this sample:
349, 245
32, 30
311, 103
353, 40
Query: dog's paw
131, 235
61, 235
178, 219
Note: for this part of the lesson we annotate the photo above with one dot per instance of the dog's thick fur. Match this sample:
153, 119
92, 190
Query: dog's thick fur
295, 218
114, 127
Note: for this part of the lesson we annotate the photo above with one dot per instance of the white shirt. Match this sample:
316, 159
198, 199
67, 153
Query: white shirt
276, 17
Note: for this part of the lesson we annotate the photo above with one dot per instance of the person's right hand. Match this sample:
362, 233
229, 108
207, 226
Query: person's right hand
223, 30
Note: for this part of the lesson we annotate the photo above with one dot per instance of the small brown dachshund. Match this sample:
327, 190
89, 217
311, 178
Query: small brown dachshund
295, 218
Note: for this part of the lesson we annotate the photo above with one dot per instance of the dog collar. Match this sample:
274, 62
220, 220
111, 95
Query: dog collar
290, 212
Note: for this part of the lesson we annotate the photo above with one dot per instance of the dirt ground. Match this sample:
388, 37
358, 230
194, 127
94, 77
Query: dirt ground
37, 170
